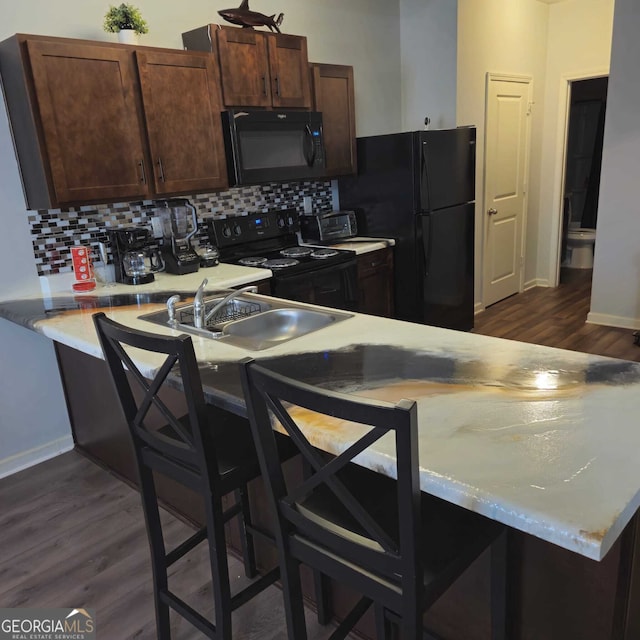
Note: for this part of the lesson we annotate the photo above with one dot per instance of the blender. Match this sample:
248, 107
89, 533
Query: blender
179, 225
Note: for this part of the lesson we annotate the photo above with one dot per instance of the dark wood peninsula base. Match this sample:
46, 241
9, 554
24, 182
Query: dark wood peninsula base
555, 594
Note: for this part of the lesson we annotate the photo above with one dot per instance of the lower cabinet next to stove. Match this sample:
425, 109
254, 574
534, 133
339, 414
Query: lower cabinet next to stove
375, 283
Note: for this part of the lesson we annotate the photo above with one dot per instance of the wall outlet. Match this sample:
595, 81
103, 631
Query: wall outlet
156, 226
308, 207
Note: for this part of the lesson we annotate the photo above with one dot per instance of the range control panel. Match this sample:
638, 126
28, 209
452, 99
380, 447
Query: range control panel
226, 232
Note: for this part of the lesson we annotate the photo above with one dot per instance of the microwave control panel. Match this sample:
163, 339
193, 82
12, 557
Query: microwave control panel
318, 146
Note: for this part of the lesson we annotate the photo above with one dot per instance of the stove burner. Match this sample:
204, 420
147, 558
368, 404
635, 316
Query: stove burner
282, 263
296, 252
252, 261
322, 254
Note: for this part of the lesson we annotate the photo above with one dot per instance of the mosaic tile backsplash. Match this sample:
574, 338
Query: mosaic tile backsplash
55, 231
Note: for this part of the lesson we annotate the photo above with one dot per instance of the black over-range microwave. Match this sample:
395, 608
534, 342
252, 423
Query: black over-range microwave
272, 146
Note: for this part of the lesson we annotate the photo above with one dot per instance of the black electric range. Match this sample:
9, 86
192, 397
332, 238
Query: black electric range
318, 275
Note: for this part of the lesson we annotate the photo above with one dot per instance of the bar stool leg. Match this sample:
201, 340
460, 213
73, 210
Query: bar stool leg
292, 594
219, 569
382, 624
158, 553
499, 595
246, 538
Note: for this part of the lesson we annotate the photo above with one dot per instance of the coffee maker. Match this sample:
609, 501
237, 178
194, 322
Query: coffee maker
130, 247
179, 225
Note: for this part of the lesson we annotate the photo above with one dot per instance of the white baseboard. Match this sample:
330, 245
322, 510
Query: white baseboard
613, 321
26, 459
536, 282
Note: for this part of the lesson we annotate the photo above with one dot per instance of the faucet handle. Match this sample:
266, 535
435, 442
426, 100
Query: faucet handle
171, 308
201, 288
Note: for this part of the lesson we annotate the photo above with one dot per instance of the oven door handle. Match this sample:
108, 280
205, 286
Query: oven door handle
310, 148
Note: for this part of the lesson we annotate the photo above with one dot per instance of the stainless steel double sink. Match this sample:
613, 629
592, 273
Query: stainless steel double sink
250, 322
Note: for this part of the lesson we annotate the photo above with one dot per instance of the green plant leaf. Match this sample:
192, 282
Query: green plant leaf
125, 16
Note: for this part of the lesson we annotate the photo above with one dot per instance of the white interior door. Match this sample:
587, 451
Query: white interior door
506, 170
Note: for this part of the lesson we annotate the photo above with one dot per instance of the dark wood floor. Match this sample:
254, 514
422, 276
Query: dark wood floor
72, 535
556, 317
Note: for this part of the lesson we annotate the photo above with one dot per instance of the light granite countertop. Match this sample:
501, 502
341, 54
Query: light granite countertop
541, 439
360, 245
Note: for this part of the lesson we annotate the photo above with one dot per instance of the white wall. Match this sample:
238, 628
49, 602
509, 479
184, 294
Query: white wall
30, 430
33, 416
578, 44
34, 424
428, 36
502, 36
615, 295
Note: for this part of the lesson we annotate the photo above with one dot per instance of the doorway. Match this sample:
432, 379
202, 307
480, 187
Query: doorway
507, 149
583, 161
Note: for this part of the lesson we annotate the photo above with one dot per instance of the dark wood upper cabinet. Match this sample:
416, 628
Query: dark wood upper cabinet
102, 122
182, 103
76, 126
288, 64
257, 69
244, 68
333, 95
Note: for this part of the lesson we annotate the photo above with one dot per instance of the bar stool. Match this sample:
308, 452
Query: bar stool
206, 449
382, 537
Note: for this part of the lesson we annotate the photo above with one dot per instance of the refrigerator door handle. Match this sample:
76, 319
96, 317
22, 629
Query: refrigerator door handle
424, 239
425, 190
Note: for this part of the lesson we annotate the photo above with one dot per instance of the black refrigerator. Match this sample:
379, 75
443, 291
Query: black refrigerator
419, 188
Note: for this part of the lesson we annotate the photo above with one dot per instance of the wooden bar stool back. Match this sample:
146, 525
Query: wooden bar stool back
207, 450
379, 535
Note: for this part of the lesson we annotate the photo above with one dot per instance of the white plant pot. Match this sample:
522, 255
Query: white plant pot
127, 36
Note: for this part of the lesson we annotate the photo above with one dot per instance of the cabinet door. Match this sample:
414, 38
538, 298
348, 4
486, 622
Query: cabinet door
244, 68
90, 122
375, 283
181, 98
289, 66
333, 95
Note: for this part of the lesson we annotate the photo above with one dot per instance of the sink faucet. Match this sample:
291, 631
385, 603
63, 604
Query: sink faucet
226, 300
198, 305
200, 319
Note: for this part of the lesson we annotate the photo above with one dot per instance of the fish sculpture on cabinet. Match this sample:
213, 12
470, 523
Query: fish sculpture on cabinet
248, 19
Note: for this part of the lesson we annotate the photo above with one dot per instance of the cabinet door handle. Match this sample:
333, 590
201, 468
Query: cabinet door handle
161, 170
264, 85
278, 86
143, 177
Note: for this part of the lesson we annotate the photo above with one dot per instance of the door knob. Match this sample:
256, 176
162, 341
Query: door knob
492, 212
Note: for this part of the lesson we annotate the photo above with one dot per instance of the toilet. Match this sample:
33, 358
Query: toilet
580, 243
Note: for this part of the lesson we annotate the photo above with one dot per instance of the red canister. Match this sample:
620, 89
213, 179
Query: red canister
82, 269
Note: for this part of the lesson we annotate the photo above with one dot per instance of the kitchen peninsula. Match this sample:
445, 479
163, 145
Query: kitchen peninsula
540, 439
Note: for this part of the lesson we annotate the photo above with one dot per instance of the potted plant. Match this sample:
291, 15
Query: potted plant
126, 21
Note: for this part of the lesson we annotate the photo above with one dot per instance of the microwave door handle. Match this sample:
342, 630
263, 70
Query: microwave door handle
310, 158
